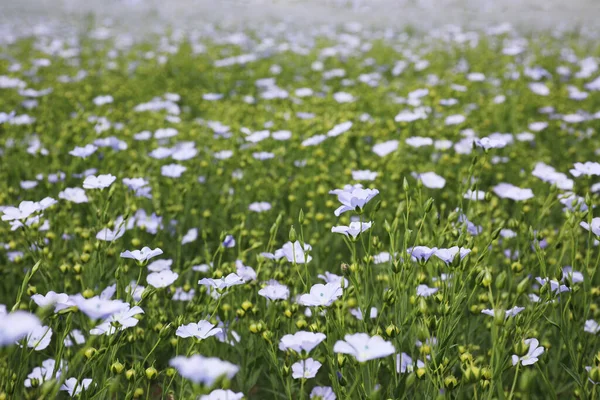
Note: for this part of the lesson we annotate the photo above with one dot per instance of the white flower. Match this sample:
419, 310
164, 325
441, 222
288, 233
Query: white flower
45, 372
102, 100
205, 370
321, 295
74, 388
295, 253
121, 320
404, 364
246, 273
507, 313
60, 300
160, 265
426, 291
201, 330
98, 308
39, 338
364, 175
83, 152
592, 327
301, 341
74, 195
364, 347
339, 129
24, 211
221, 394
222, 283
385, 148
16, 325
141, 255
275, 291
322, 393
190, 236
486, 143
172, 170
535, 350
588, 168
357, 198
354, 229
259, 206
305, 369
162, 279
98, 182
74, 337
509, 191
431, 180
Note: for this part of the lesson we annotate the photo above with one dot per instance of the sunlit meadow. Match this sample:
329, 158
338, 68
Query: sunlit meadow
285, 211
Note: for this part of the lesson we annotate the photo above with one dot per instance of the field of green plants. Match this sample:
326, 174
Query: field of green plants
338, 212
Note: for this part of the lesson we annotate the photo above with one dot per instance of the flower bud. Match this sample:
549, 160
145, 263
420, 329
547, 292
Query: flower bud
450, 382
392, 331
90, 352
292, 235
130, 374
523, 286
138, 392
151, 373
116, 368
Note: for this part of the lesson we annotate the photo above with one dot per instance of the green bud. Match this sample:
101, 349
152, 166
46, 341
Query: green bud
116, 368
151, 373
292, 236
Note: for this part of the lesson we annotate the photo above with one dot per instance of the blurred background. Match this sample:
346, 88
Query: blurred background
420, 14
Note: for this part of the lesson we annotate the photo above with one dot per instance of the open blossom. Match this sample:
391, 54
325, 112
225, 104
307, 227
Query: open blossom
488, 143
385, 148
448, 255
24, 211
431, 180
588, 168
222, 394
421, 253
190, 236
322, 393
275, 291
261, 206
83, 152
364, 175
364, 347
507, 313
293, 252
50, 299
591, 326
305, 369
74, 195
357, 198
509, 191
45, 372
121, 320
205, 370
321, 295
426, 291
16, 325
354, 229
98, 182
534, 352
301, 341
97, 307
222, 283
201, 330
144, 254
39, 338
405, 364
162, 279
74, 388
339, 129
